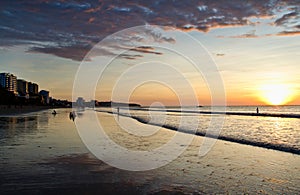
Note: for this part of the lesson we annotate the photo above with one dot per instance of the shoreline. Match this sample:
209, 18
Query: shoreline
281, 115
227, 168
13, 110
219, 137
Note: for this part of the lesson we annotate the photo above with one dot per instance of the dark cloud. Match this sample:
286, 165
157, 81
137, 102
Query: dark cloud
290, 22
286, 18
143, 50
220, 54
129, 56
146, 47
73, 52
69, 28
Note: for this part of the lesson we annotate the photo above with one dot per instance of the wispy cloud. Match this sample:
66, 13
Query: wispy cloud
130, 56
286, 18
74, 52
289, 33
250, 34
146, 50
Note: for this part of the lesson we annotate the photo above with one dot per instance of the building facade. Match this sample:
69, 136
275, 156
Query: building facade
45, 95
9, 82
22, 87
80, 102
33, 88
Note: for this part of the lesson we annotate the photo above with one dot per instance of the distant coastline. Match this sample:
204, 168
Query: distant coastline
116, 104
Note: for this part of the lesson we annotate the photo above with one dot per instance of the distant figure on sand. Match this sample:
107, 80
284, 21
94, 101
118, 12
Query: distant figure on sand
54, 112
257, 111
118, 110
72, 115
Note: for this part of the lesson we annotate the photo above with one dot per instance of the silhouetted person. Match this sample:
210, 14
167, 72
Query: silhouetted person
54, 112
72, 115
118, 110
257, 110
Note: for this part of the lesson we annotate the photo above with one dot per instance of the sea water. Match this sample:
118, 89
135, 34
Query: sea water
273, 131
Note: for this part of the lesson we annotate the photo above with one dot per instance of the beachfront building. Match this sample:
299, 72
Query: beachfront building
9, 82
22, 87
45, 95
80, 102
33, 88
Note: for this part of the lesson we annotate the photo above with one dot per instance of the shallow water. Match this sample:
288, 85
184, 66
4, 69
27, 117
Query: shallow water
270, 132
245, 109
29, 140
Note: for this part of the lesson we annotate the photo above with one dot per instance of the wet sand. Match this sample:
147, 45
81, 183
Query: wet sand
228, 168
16, 110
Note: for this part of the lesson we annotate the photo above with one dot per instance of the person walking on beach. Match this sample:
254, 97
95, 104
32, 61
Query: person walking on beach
257, 110
72, 115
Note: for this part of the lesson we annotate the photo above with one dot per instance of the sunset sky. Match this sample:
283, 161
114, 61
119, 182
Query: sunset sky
254, 44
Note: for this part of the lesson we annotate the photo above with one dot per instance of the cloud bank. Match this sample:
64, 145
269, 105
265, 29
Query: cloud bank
69, 28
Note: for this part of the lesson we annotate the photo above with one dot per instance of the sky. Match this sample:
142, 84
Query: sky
156, 52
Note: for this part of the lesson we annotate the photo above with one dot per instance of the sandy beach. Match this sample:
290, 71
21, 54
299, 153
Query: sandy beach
68, 167
6, 110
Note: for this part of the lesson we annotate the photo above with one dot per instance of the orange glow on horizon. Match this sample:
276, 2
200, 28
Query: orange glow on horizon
149, 93
276, 94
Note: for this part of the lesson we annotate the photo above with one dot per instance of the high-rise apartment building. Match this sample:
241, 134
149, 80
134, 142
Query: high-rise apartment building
33, 88
45, 95
22, 87
9, 82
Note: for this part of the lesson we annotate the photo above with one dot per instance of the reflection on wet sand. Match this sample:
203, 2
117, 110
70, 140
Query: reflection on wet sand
14, 126
44, 154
